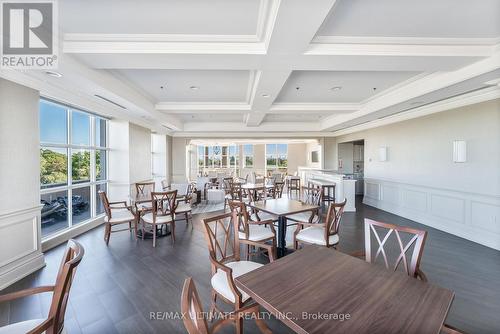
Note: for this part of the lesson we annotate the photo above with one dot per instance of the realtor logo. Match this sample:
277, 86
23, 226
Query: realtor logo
29, 34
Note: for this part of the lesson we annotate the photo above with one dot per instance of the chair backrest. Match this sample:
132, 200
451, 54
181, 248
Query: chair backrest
144, 188
193, 316
236, 192
241, 217
221, 237
334, 217
105, 202
278, 189
71, 259
164, 203
416, 239
311, 195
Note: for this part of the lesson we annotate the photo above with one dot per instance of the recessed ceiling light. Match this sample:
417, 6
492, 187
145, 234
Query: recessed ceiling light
194, 87
297, 88
53, 74
162, 87
335, 88
265, 95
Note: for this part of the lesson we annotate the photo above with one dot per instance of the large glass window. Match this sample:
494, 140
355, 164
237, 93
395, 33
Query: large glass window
217, 157
248, 155
276, 156
73, 166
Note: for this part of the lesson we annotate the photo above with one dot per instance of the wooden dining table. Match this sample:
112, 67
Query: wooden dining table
321, 290
282, 207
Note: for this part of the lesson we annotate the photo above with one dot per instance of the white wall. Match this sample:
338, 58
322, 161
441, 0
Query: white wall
179, 162
20, 235
420, 180
159, 157
119, 173
140, 153
297, 156
330, 153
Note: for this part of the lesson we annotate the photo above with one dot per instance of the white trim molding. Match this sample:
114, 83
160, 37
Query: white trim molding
472, 216
20, 248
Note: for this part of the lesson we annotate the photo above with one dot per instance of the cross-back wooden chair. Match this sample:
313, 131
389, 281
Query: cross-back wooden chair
224, 253
143, 191
323, 234
117, 213
257, 231
183, 204
144, 188
54, 324
194, 317
411, 266
162, 214
312, 196
234, 193
278, 189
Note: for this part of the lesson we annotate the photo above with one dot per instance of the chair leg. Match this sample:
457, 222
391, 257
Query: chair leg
248, 252
135, 229
212, 306
154, 235
187, 218
238, 322
107, 233
173, 233
130, 226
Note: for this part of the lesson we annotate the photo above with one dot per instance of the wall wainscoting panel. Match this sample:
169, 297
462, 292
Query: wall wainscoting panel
20, 248
472, 216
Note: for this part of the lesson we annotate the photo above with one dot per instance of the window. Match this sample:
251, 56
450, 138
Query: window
276, 156
215, 157
248, 155
73, 165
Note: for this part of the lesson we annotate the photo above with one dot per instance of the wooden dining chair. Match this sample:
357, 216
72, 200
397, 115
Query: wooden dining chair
234, 193
278, 189
162, 214
416, 241
183, 205
117, 213
323, 234
54, 323
143, 190
259, 231
224, 253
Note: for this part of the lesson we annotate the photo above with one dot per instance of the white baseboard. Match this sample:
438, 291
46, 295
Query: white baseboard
21, 270
475, 217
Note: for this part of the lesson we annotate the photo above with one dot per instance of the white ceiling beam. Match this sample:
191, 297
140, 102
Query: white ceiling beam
426, 85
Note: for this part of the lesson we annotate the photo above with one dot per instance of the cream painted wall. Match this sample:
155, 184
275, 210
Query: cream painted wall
179, 162
20, 245
140, 153
297, 156
330, 153
420, 150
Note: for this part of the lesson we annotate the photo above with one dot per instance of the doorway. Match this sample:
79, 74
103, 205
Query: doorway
351, 162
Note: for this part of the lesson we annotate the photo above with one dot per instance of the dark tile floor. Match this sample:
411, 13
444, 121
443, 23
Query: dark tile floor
117, 287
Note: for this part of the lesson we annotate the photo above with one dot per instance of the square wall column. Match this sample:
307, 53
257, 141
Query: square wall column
20, 209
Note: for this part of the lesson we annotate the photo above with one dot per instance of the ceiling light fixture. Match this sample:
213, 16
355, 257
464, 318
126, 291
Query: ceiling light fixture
265, 95
335, 88
194, 87
53, 74
297, 88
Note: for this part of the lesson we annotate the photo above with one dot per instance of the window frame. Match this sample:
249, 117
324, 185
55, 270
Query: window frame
276, 156
247, 155
70, 186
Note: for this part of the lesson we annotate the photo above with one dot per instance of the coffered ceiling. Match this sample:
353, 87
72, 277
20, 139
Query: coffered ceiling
229, 67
